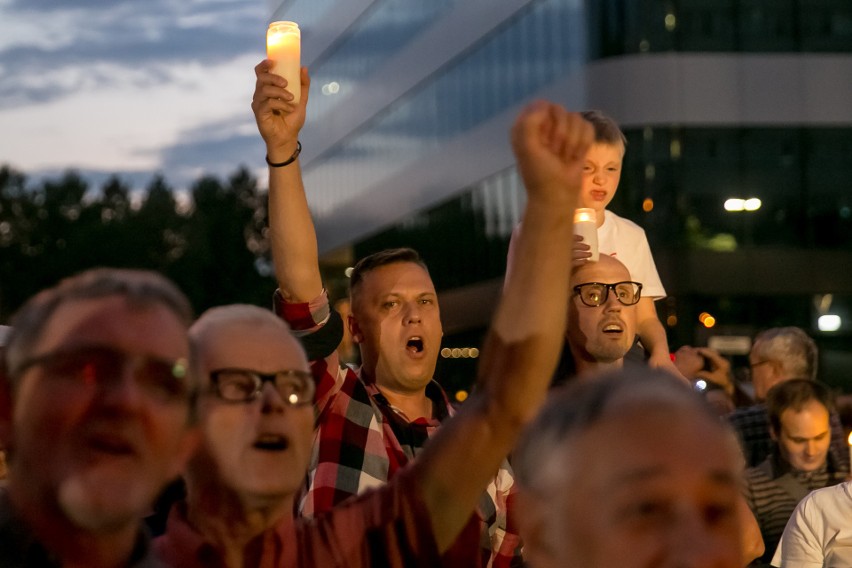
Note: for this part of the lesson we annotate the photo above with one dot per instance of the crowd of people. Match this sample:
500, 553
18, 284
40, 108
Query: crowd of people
583, 443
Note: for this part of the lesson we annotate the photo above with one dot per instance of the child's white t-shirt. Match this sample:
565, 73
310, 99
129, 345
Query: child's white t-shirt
626, 241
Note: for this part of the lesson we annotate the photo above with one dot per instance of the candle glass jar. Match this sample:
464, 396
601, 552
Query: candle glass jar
283, 47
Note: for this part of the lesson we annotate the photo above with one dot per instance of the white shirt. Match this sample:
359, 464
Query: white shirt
626, 241
820, 531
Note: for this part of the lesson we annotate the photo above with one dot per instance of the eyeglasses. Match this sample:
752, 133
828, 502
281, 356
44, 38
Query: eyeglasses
296, 388
594, 294
101, 366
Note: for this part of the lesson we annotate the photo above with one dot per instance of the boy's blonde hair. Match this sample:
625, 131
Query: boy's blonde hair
606, 129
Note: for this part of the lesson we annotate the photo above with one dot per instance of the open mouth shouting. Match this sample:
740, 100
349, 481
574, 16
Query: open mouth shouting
271, 443
415, 345
110, 444
613, 328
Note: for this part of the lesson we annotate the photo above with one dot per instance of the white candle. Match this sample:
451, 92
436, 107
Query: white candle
849, 440
585, 225
284, 46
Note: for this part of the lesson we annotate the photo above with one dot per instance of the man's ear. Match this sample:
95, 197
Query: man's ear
354, 329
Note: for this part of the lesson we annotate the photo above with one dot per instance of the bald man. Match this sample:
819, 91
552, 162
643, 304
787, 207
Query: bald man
601, 315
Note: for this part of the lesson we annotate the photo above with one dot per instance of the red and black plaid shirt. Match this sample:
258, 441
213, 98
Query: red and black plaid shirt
361, 441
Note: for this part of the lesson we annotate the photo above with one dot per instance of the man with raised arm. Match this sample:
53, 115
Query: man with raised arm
257, 427
374, 419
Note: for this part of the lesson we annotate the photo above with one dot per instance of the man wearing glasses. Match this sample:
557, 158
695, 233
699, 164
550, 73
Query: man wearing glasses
601, 316
96, 415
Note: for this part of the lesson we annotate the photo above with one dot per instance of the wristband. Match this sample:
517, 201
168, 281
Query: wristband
289, 160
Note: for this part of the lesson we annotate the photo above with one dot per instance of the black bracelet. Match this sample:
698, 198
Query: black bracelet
289, 160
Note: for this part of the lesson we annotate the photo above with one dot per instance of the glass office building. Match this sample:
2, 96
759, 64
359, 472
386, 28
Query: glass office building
738, 115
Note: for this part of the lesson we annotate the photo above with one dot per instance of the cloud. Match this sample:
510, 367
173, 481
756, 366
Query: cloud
215, 149
130, 88
69, 50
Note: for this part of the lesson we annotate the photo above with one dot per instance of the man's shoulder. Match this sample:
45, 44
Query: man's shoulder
353, 388
833, 495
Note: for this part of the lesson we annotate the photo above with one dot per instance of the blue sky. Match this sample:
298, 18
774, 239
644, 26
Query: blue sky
130, 87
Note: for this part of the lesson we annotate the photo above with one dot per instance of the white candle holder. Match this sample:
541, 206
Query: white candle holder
586, 225
284, 47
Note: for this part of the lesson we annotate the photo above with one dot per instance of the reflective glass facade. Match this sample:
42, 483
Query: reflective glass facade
543, 43
619, 27
690, 79
675, 184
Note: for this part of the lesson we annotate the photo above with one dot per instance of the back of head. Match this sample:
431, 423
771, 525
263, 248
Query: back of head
795, 394
607, 130
572, 410
138, 287
621, 471
379, 259
791, 347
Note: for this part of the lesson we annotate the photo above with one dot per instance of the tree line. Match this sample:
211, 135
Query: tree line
214, 246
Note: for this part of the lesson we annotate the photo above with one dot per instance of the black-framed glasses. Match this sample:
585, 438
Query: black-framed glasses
595, 294
296, 388
102, 366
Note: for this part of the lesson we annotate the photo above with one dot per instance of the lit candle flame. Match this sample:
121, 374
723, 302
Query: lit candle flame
585, 215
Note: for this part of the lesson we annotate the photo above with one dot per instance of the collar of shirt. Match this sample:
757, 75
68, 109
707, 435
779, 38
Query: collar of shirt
441, 407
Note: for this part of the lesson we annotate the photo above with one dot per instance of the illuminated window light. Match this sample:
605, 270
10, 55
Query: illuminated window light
460, 353
648, 205
734, 204
829, 322
331, 88
702, 316
461, 395
709, 322
752, 204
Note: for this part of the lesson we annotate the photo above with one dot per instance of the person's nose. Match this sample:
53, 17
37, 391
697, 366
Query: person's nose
611, 304
810, 448
123, 389
270, 399
412, 313
598, 178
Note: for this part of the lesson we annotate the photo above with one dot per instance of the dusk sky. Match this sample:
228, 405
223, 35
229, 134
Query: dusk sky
130, 87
